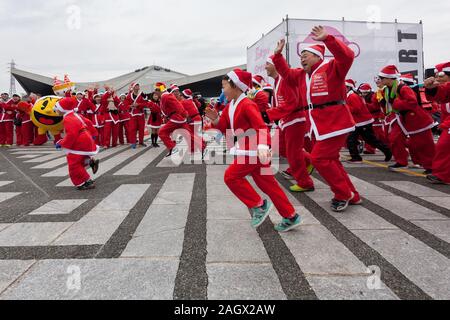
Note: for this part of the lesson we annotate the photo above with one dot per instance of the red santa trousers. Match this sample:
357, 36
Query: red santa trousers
326, 158
26, 134
137, 127
397, 143
380, 135
124, 131
110, 134
100, 138
422, 148
6, 133
298, 159
77, 169
235, 179
196, 139
168, 129
441, 164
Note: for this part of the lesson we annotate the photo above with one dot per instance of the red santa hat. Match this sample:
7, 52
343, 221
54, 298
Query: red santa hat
390, 72
242, 79
350, 83
408, 78
365, 88
187, 94
318, 50
270, 60
173, 88
65, 105
268, 87
442, 68
161, 86
259, 80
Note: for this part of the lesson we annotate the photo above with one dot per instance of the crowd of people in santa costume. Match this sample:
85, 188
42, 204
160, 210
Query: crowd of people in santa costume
316, 109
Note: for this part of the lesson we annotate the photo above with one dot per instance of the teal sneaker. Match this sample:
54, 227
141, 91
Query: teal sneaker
261, 214
289, 224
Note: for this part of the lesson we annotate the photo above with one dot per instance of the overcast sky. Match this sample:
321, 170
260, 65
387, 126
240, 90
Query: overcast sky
115, 37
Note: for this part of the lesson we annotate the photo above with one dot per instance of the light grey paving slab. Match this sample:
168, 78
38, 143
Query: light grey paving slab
425, 267
8, 195
29, 156
58, 207
234, 241
35, 152
227, 208
50, 159
161, 231
11, 270
440, 201
5, 183
138, 165
318, 252
3, 226
243, 282
64, 171
348, 288
117, 279
367, 189
405, 208
32, 234
2, 173
415, 189
439, 228
52, 164
100, 223
108, 165
175, 161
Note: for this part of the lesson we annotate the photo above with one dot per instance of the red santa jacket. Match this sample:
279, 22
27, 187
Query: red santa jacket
192, 111
261, 99
8, 111
245, 121
124, 111
172, 109
326, 84
111, 103
23, 111
98, 114
359, 110
285, 105
376, 110
412, 118
79, 133
441, 95
139, 102
84, 105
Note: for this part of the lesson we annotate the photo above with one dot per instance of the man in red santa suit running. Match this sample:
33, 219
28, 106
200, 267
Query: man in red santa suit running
407, 118
321, 87
364, 125
438, 90
242, 119
291, 118
195, 121
78, 144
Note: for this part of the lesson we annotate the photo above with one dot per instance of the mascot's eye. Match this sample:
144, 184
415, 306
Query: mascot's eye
44, 105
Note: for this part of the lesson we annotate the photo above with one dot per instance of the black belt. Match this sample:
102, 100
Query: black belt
324, 105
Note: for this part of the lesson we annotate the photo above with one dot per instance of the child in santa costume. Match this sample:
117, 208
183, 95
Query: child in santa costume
194, 121
112, 119
364, 125
291, 120
78, 144
406, 119
155, 120
243, 120
124, 117
137, 103
438, 90
321, 88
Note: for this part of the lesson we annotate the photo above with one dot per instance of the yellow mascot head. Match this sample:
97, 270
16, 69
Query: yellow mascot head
45, 118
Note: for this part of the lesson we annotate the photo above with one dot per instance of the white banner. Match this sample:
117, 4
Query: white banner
375, 45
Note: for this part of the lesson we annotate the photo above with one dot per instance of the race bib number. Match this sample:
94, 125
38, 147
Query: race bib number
319, 85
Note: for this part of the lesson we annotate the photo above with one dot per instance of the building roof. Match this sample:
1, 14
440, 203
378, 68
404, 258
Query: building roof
208, 84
